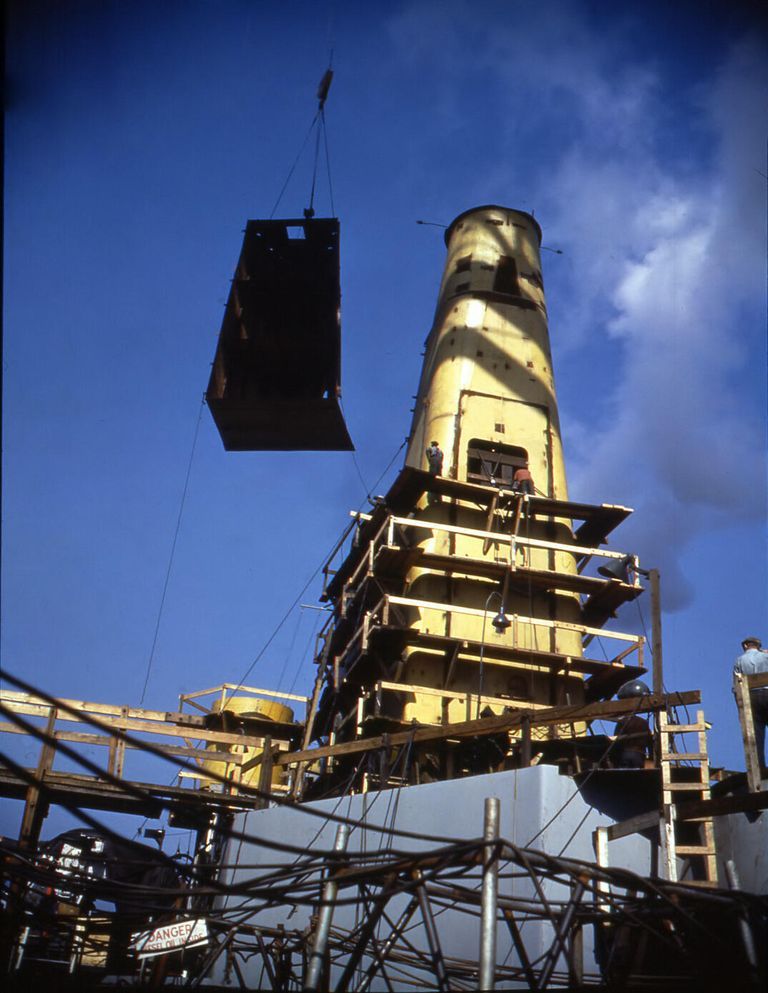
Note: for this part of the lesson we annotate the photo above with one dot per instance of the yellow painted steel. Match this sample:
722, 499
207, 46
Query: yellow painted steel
242, 708
487, 384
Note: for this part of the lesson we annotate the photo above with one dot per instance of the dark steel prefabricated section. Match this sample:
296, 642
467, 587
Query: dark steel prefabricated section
276, 377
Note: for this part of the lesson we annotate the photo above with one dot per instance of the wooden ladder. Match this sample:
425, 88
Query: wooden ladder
695, 786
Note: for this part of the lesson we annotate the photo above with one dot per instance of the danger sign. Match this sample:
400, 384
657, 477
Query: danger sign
170, 938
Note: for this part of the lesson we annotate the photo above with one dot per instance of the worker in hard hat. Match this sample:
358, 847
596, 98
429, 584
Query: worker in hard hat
633, 735
754, 660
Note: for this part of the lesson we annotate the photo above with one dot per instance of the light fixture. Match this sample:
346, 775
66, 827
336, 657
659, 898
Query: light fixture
501, 622
618, 568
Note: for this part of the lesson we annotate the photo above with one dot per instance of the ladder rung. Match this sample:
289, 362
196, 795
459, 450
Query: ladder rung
701, 787
679, 756
694, 850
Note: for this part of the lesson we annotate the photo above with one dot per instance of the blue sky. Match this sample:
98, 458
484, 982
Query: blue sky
139, 139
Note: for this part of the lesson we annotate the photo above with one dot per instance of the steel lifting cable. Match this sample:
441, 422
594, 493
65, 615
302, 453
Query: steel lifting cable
389, 464
369, 489
293, 167
309, 582
173, 552
318, 121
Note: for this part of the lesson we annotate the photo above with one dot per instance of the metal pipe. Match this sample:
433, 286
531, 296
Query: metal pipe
489, 895
331, 888
746, 933
388, 945
438, 964
561, 935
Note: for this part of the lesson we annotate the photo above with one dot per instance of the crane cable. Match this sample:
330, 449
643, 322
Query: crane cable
171, 556
318, 122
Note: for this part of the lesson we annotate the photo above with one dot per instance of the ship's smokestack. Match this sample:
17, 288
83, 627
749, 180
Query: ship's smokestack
487, 392
487, 396
463, 593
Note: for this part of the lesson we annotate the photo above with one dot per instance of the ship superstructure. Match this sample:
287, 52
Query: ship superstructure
461, 594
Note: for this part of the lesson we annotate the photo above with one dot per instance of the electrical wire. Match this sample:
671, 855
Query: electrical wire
302, 659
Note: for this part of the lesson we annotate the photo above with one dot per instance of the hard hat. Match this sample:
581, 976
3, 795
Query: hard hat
635, 687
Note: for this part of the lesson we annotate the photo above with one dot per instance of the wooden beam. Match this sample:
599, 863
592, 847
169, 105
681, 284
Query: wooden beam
494, 502
83, 738
632, 825
130, 724
495, 725
691, 810
13, 697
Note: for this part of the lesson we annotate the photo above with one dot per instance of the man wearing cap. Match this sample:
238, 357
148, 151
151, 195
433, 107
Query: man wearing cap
754, 660
435, 459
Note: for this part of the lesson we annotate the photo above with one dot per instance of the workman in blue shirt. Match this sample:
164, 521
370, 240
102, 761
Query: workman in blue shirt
754, 660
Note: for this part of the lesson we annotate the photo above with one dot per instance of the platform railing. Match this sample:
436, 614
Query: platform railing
386, 536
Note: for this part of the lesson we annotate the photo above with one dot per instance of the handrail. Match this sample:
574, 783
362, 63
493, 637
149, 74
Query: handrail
378, 615
187, 697
519, 618
505, 539
497, 537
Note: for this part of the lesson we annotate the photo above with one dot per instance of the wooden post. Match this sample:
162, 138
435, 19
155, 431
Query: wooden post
35, 808
744, 707
658, 666
265, 775
525, 739
489, 522
120, 750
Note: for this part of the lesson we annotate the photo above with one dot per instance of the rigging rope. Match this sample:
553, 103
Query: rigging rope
173, 552
293, 167
318, 122
308, 583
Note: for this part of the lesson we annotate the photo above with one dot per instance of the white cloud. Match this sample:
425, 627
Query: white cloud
657, 201
687, 285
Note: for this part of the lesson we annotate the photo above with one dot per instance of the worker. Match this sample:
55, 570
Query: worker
752, 661
522, 481
633, 735
633, 742
435, 459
